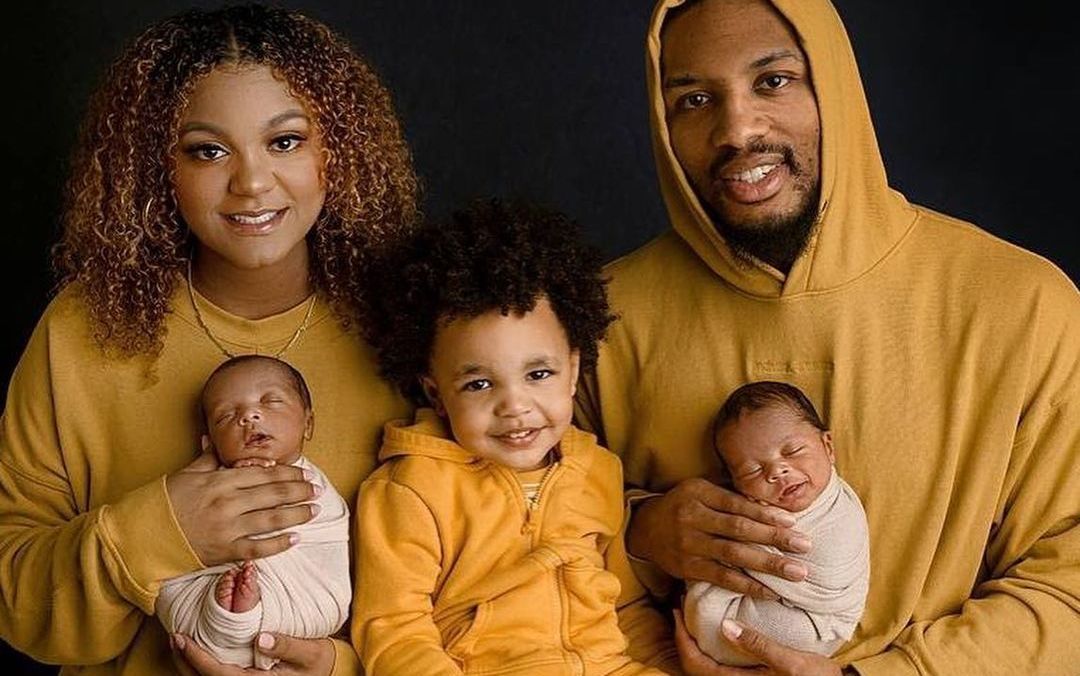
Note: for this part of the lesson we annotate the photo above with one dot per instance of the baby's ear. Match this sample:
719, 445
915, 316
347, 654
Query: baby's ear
309, 425
826, 438
431, 391
205, 443
575, 369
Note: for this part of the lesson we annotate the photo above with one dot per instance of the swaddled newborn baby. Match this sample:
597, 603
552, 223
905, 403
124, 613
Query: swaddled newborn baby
258, 414
778, 452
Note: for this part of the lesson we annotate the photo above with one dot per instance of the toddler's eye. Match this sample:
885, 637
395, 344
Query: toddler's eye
286, 143
476, 385
540, 374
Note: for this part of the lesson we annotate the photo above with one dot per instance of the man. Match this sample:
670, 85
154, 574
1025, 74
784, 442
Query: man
946, 362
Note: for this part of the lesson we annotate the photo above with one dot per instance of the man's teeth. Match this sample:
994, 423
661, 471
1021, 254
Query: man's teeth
754, 175
253, 220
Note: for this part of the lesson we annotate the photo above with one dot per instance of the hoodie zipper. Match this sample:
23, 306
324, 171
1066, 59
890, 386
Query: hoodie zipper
533, 506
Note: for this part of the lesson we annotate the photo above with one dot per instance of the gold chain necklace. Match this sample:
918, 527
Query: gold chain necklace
214, 339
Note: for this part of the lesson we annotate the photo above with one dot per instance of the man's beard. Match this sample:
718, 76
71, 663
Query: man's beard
778, 241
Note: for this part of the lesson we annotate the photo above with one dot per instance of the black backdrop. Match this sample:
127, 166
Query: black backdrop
546, 100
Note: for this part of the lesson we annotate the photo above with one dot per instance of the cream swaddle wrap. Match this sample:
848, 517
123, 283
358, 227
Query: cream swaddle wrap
305, 590
816, 615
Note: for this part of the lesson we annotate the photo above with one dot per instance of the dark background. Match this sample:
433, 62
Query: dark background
545, 99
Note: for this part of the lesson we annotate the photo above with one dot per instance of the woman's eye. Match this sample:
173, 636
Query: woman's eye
207, 152
476, 385
286, 143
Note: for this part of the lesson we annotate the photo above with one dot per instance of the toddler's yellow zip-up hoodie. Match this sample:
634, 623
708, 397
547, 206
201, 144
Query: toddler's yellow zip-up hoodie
946, 361
455, 574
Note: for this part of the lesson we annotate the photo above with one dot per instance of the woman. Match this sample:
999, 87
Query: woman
236, 173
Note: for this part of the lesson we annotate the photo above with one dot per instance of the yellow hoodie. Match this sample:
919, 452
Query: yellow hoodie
456, 575
946, 361
87, 535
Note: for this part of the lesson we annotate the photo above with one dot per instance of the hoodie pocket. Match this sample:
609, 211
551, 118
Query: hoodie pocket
461, 647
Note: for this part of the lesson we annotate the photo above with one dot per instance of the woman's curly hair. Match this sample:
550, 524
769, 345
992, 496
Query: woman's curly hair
124, 241
489, 256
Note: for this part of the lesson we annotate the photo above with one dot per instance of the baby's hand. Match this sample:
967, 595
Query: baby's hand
254, 462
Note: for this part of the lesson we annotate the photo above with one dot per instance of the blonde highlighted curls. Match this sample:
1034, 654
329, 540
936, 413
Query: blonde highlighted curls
124, 241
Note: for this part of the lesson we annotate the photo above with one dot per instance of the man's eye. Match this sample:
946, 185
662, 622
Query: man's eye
287, 142
476, 385
540, 374
775, 81
694, 100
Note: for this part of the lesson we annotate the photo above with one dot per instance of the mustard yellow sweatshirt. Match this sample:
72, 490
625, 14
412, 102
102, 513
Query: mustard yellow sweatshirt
86, 531
456, 575
946, 362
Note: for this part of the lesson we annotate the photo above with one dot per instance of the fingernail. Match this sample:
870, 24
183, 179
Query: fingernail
315, 509
730, 629
316, 489
794, 571
785, 519
293, 539
800, 544
179, 641
308, 475
266, 641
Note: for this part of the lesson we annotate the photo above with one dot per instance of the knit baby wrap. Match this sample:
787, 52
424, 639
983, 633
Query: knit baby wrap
816, 615
305, 590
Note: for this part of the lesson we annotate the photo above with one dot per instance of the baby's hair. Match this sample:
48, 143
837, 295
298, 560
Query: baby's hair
492, 255
762, 394
284, 367
124, 241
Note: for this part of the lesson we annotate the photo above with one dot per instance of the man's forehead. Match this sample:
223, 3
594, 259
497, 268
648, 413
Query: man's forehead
744, 33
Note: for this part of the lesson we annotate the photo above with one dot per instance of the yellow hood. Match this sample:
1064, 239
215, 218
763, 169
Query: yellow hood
862, 219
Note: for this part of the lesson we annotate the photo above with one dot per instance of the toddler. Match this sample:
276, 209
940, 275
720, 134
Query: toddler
490, 539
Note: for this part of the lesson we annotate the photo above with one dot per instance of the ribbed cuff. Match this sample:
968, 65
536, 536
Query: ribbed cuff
142, 535
346, 661
889, 663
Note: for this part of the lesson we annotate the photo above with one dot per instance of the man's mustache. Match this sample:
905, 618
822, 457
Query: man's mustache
728, 155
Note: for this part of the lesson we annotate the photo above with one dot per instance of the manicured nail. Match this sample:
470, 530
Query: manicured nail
315, 509
266, 641
294, 538
800, 544
794, 571
308, 475
316, 489
730, 629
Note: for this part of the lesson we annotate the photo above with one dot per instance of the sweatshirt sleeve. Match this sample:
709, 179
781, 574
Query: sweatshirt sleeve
397, 568
76, 580
1024, 616
648, 632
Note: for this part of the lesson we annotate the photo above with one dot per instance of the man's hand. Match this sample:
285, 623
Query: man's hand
700, 531
776, 659
298, 657
220, 511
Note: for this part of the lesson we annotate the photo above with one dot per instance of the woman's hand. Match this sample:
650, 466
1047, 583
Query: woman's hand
700, 531
220, 511
297, 657
776, 659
